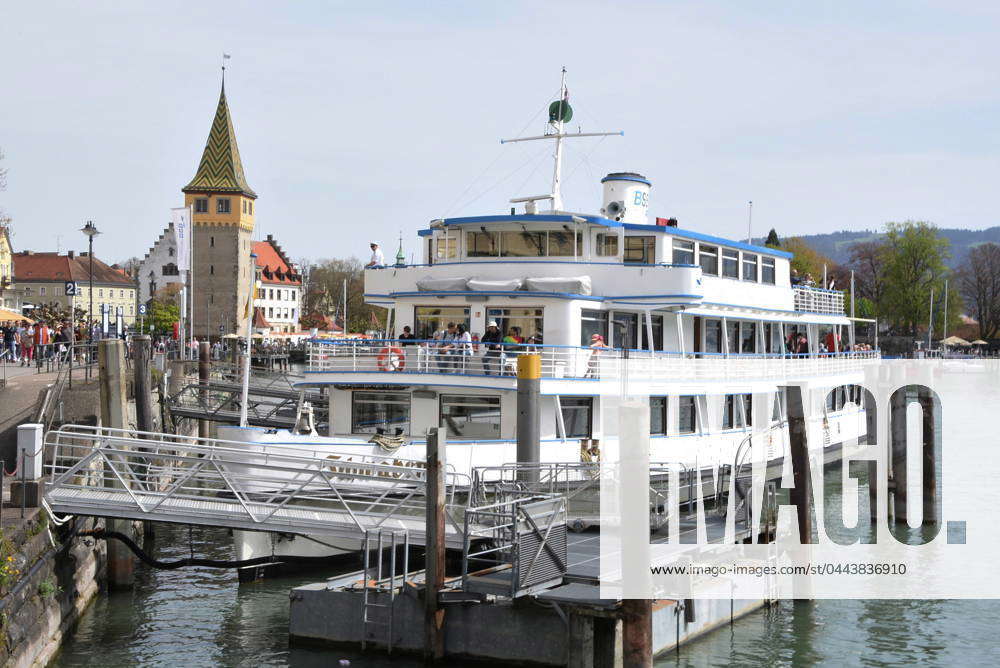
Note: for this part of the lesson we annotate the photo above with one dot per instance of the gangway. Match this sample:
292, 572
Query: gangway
274, 407
127, 474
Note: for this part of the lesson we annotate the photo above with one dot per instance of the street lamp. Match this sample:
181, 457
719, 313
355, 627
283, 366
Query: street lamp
91, 231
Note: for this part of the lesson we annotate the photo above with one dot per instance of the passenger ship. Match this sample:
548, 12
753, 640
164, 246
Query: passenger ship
699, 322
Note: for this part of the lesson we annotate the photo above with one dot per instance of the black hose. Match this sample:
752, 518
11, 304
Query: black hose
210, 563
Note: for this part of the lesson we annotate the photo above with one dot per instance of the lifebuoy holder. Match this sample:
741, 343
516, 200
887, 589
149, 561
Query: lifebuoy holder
391, 358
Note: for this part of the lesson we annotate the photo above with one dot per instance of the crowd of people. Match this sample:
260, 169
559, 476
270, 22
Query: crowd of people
451, 349
23, 342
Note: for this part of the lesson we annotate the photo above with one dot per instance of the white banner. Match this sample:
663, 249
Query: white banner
181, 219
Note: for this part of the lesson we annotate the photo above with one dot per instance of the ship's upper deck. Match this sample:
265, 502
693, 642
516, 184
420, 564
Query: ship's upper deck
576, 256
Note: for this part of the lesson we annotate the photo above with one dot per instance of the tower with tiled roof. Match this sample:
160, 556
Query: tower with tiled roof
222, 203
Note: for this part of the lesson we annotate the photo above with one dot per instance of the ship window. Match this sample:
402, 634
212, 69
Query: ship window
731, 417
767, 270
607, 245
222, 205
430, 319
481, 244
625, 330
708, 258
657, 333
577, 414
713, 336
385, 411
640, 250
470, 416
522, 244
686, 415
657, 415
593, 322
447, 248
749, 267
730, 263
529, 321
733, 335
748, 337
201, 205
780, 400
561, 244
683, 252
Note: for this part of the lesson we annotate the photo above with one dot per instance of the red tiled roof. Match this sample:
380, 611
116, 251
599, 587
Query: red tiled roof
29, 266
273, 263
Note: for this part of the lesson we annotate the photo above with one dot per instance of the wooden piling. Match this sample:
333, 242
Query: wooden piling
897, 431
637, 633
111, 369
799, 496
142, 382
204, 369
931, 503
435, 549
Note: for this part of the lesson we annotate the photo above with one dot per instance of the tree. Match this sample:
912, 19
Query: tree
915, 258
806, 260
323, 291
868, 260
162, 315
4, 218
979, 284
54, 312
772, 240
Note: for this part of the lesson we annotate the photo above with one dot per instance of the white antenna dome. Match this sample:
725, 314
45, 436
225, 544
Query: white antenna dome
626, 197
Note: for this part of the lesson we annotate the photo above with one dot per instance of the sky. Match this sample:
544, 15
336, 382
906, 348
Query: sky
366, 120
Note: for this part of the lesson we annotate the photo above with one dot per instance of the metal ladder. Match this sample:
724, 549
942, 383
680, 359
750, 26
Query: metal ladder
375, 616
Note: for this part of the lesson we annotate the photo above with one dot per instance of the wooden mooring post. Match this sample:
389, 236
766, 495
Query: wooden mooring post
435, 550
637, 633
114, 414
142, 389
204, 369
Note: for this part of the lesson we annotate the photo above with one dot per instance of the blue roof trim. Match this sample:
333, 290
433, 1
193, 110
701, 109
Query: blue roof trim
527, 294
530, 218
698, 236
599, 220
626, 178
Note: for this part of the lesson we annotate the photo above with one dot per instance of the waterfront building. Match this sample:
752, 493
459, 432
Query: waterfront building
43, 278
279, 297
10, 294
158, 268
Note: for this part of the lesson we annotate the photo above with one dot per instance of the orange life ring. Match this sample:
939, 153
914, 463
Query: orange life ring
391, 358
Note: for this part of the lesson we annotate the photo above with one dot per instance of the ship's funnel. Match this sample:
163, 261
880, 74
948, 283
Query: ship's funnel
626, 197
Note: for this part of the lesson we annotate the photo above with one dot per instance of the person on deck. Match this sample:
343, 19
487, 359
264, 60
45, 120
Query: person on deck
491, 340
378, 260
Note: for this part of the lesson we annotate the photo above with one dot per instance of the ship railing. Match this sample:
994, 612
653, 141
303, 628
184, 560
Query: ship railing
394, 356
809, 299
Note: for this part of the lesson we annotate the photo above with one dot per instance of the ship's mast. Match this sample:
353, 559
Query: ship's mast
560, 113
557, 125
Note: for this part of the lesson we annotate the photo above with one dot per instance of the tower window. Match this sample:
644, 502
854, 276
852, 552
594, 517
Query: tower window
211, 269
211, 242
201, 205
222, 205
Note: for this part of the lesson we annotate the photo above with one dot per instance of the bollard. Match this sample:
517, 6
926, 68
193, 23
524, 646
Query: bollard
26, 491
529, 373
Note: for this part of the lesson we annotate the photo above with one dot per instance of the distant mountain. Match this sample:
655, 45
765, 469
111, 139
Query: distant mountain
836, 245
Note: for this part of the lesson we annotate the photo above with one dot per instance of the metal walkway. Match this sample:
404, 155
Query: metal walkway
266, 406
158, 477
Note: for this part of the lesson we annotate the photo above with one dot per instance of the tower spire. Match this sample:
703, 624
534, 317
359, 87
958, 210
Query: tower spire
221, 169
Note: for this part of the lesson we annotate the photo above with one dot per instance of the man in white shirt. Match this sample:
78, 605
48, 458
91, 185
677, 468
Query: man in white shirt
378, 260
